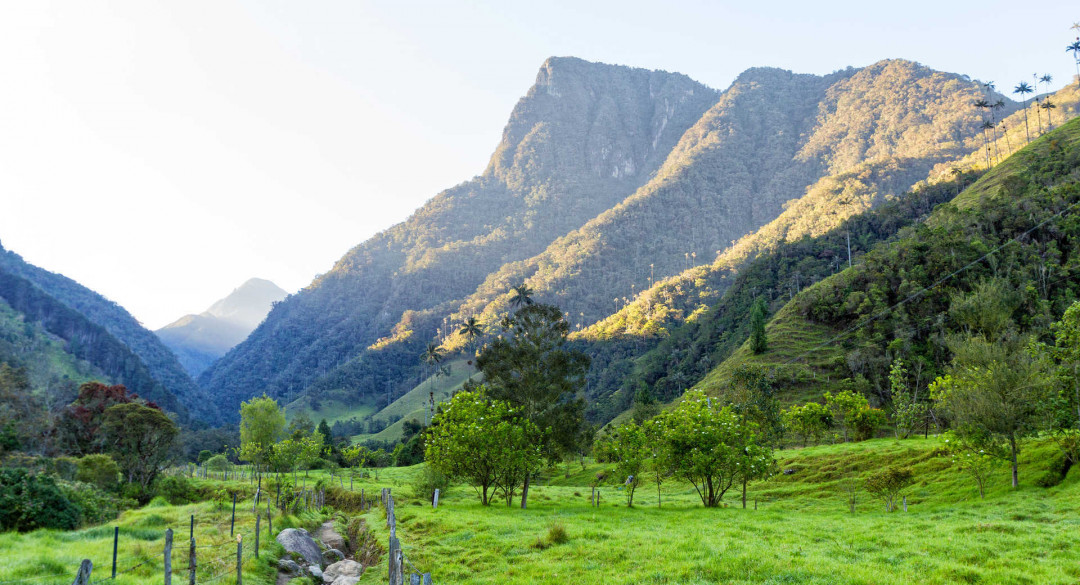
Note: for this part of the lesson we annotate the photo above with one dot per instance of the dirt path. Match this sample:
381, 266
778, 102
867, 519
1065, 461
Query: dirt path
330, 537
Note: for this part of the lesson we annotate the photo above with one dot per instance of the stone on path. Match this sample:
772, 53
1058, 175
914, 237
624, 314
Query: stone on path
299, 541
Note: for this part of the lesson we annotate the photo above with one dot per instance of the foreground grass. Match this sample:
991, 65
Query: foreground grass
801, 532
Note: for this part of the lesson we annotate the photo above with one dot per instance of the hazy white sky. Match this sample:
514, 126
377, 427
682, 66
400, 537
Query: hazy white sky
162, 153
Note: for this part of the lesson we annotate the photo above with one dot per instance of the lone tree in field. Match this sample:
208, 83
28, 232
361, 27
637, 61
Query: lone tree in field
530, 368
140, 438
889, 484
262, 423
628, 448
483, 442
707, 445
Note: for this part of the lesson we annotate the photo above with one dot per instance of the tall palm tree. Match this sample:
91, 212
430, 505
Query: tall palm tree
986, 126
1038, 104
958, 177
1075, 50
1023, 89
471, 330
1048, 105
522, 296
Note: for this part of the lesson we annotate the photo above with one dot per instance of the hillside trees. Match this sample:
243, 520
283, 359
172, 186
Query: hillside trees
530, 368
78, 427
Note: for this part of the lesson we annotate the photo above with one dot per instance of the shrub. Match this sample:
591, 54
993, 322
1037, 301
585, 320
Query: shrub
427, 481
30, 501
176, 490
204, 456
96, 505
218, 463
99, 470
888, 484
65, 468
866, 421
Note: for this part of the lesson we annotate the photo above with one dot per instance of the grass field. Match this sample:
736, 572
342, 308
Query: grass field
801, 531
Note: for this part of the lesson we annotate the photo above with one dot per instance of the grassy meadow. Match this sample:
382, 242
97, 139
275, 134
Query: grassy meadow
801, 531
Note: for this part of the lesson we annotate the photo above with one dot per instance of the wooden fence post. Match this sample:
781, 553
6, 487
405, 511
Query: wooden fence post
191, 563
414, 579
427, 578
232, 524
257, 517
115, 542
394, 557
905, 503
239, 559
435, 501
83, 576
168, 556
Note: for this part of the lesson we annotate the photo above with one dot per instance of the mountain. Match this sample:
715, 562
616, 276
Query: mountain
1010, 238
584, 137
199, 340
101, 333
608, 180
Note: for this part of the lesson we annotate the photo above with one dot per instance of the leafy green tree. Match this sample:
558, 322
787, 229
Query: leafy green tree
204, 455
996, 395
484, 442
140, 439
908, 410
531, 368
324, 430
971, 460
889, 483
809, 421
100, 470
1063, 420
78, 428
628, 447
31, 501
659, 464
758, 341
706, 445
845, 406
285, 456
262, 423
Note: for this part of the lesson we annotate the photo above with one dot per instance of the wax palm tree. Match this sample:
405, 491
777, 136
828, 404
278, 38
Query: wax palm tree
986, 126
1038, 104
433, 356
1075, 50
958, 177
1023, 89
522, 296
998, 105
1048, 105
471, 330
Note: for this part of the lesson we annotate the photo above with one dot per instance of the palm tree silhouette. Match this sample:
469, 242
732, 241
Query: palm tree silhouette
522, 296
1023, 89
1075, 50
958, 175
1038, 103
987, 125
1048, 105
471, 330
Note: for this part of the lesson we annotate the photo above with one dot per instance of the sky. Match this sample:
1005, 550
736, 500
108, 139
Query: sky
162, 153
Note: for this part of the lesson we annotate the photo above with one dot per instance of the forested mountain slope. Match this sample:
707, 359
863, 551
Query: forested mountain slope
584, 138
836, 145
179, 391
1015, 232
83, 339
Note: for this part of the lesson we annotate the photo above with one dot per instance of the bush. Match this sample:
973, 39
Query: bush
176, 490
96, 505
31, 501
218, 463
427, 481
1056, 471
204, 456
99, 470
866, 421
66, 468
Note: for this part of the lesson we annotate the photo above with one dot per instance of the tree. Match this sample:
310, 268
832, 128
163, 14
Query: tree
809, 421
845, 406
706, 445
484, 442
1075, 50
140, 439
970, 459
356, 456
521, 296
1063, 420
22, 415
471, 330
262, 423
758, 341
889, 483
908, 411
995, 394
78, 426
530, 368
628, 447
1023, 89
324, 430
1048, 106
659, 465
